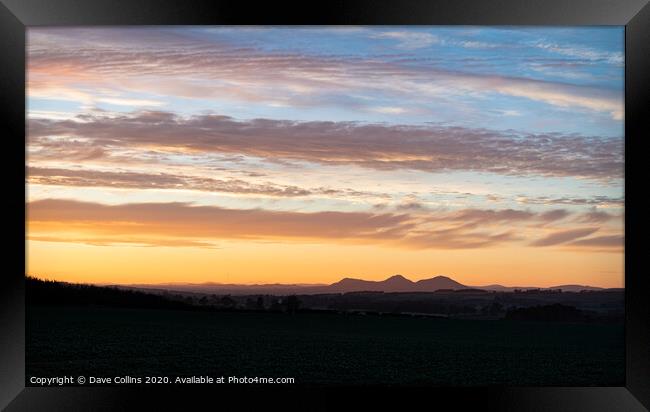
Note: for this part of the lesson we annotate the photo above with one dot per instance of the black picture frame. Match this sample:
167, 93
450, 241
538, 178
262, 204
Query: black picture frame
16, 15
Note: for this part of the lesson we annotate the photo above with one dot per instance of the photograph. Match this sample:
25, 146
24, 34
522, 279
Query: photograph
325, 205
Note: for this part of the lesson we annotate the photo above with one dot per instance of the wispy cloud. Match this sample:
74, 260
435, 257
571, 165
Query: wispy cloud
597, 201
460, 238
564, 236
58, 90
388, 110
124, 240
597, 216
142, 181
614, 241
409, 39
553, 215
582, 52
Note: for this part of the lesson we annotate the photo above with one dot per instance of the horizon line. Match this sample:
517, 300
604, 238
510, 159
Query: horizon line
323, 284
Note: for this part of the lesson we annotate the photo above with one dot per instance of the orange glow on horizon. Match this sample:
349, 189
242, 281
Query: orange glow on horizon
257, 263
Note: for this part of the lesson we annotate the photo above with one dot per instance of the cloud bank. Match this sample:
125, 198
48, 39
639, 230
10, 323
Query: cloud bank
430, 148
182, 223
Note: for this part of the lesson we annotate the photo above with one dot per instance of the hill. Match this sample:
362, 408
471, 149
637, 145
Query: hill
47, 292
396, 283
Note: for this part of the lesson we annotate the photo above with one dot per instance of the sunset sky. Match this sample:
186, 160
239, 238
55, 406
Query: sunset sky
308, 154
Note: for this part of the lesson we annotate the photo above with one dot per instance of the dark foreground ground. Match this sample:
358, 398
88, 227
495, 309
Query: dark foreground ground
325, 348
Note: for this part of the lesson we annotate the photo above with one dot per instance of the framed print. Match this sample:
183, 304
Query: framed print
267, 205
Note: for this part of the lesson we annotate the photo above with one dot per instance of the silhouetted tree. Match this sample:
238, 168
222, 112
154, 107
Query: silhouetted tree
227, 301
293, 304
260, 303
496, 308
492, 309
549, 313
276, 305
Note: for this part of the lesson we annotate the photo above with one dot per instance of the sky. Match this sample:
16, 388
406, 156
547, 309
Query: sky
307, 154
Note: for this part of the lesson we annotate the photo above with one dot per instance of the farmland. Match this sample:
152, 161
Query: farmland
320, 348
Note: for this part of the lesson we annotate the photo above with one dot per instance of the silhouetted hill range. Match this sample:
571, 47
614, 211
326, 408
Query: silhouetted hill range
403, 297
396, 283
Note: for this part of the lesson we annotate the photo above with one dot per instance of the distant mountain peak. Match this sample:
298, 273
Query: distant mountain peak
345, 279
439, 282
347, 282
397, 278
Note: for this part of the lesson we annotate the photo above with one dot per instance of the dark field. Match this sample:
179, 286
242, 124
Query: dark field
324, 348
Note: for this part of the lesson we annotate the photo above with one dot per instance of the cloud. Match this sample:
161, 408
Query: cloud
599, 201
83, 65
475, 217
409, 40
564, 236
459, 238
429, 148
614, 241
563, 96
388, 110
553, 215
596, 216
55, 89
141, 180
190, 225
121, 240
510, 112
120, 101
137, 180
482, 215
472, 44
68, 149
585, 53
181, 220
